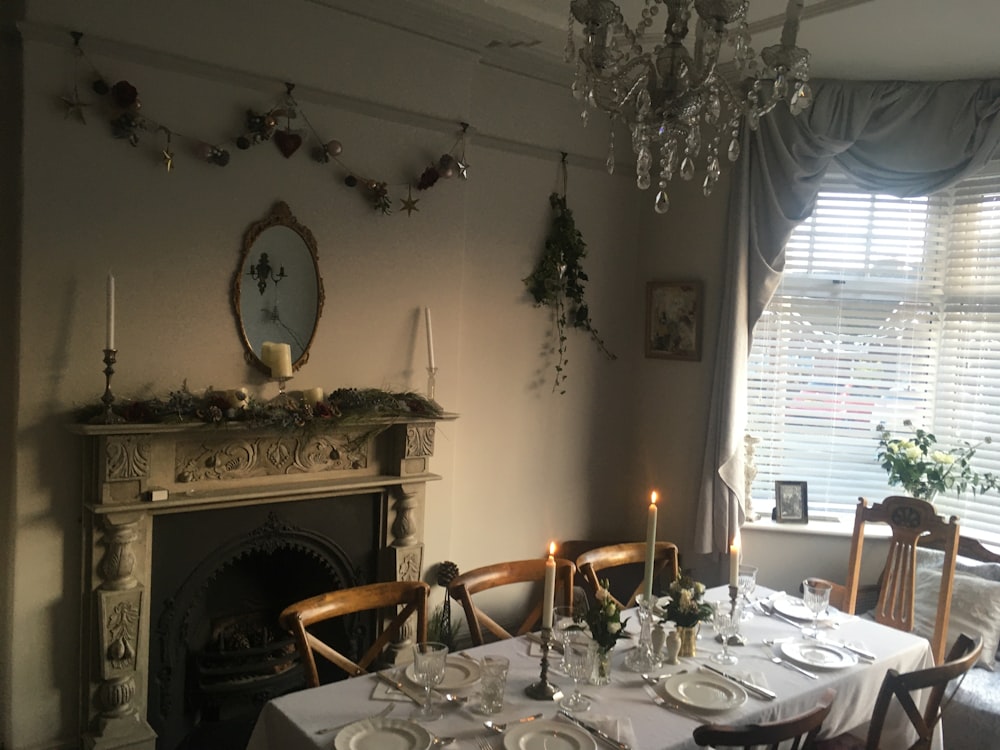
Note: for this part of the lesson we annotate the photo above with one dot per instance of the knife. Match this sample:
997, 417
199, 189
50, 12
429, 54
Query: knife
409, 692
757, 690
595, 731
866, 655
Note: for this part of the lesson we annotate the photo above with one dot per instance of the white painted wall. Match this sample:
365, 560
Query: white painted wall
521, 465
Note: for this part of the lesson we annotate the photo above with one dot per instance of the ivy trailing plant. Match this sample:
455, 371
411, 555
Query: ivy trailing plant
557, 282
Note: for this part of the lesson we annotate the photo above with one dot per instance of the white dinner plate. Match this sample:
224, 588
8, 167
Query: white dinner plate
791, 606
382, 734
705, 692
543, 734
817, 654
459, 672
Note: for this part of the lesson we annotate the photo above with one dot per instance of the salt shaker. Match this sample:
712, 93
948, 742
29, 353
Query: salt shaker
673, 644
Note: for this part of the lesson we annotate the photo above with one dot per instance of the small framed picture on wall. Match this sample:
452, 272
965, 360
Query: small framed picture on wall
673, 320
791, 502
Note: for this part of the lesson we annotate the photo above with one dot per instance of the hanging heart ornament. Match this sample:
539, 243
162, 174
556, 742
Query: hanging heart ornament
288, 142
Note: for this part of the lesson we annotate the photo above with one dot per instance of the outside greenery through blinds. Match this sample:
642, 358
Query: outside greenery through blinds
888, 310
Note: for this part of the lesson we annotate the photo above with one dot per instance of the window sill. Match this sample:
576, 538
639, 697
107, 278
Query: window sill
826, 526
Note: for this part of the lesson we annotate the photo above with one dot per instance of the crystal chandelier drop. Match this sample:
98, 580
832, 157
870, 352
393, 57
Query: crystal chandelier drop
676, 103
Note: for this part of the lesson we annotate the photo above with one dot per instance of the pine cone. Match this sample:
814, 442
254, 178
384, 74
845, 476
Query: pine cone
447, 572
428, 178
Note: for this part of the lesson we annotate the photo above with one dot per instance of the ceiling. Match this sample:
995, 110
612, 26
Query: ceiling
848, 39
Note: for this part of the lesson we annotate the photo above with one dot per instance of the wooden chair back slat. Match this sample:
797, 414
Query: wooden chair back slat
593, 562
465, 586
402, 599
799, 731
913, 523
961, 658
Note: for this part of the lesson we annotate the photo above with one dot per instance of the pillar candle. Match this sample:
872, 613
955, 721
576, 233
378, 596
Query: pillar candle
647, 581
277, 358
313, 396
430, 338
549, 595
734, 560
110, 344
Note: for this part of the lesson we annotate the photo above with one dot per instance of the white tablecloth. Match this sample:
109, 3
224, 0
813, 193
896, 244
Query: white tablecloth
291, 722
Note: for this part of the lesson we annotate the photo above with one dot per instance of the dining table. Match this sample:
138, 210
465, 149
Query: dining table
627, 709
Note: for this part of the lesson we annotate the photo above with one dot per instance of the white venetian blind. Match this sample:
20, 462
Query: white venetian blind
889, 309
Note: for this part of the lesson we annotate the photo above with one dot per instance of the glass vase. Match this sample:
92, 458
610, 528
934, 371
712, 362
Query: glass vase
689, 641
602, 667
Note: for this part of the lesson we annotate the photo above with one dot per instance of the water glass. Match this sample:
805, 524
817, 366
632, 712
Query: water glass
726, 622
579, 655
746, 585
493, 683
816, 597
428, 669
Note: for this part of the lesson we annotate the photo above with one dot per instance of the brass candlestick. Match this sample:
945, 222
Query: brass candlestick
109, 416
543, 690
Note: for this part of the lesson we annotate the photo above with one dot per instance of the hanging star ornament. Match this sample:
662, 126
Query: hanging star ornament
74, 107
409, 202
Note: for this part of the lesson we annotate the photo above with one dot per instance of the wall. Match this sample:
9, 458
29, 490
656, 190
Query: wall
521, 465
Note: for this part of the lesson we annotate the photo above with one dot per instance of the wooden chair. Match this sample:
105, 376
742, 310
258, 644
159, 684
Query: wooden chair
961, 659
913, 523
593, 562
801, 730
296, 618
463, 587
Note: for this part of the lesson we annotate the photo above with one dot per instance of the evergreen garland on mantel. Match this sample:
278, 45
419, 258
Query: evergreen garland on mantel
557, 282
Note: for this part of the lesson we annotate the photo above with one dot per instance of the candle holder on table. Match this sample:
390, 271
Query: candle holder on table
737, 638
543, 690
644, 657
108, 416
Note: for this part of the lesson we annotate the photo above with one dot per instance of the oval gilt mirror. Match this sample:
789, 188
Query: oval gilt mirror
277, 289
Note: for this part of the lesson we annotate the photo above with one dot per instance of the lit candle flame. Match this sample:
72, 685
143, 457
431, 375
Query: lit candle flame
552, 548
653, 497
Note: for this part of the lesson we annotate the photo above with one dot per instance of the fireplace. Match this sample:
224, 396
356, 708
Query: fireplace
199, 535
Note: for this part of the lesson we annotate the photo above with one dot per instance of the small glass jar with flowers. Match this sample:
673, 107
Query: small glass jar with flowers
606, 625
687, 611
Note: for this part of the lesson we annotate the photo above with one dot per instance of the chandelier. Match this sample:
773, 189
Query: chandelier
677, 104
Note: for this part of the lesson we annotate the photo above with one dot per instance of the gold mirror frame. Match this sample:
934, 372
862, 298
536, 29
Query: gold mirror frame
286, 253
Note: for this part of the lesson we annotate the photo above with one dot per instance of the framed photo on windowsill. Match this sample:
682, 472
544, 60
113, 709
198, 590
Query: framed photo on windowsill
791, 502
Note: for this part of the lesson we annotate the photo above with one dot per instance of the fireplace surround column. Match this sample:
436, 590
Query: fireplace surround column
134, 473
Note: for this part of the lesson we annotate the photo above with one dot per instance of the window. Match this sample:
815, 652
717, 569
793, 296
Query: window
889, 309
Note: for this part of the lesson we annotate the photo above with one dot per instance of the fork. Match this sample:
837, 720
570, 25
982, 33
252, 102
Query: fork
484, 744
662, 702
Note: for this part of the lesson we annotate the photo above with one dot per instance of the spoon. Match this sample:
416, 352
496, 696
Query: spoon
439, 741
499, 727
653, 679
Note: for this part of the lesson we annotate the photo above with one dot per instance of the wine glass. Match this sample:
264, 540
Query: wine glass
726, 623
816, 597
579, 654
746, 584
428, 669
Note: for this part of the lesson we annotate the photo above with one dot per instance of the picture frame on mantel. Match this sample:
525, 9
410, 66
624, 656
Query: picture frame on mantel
791, 502
673, 320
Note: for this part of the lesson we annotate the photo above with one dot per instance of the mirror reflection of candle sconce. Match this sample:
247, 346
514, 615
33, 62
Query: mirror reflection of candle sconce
264, 271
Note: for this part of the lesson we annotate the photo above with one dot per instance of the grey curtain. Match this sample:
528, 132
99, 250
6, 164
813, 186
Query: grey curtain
902, 138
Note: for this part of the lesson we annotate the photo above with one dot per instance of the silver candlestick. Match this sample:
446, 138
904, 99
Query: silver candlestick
543, 690
108, 416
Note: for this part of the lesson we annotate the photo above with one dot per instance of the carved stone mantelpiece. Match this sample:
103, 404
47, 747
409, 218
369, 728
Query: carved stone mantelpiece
136, 472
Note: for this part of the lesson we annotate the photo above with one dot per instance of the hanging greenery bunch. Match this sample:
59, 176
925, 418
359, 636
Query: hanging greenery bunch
557, 282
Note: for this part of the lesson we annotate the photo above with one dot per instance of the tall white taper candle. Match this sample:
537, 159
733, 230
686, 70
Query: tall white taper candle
734, 560
430, 338
111, 312
549, 594
647, 581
